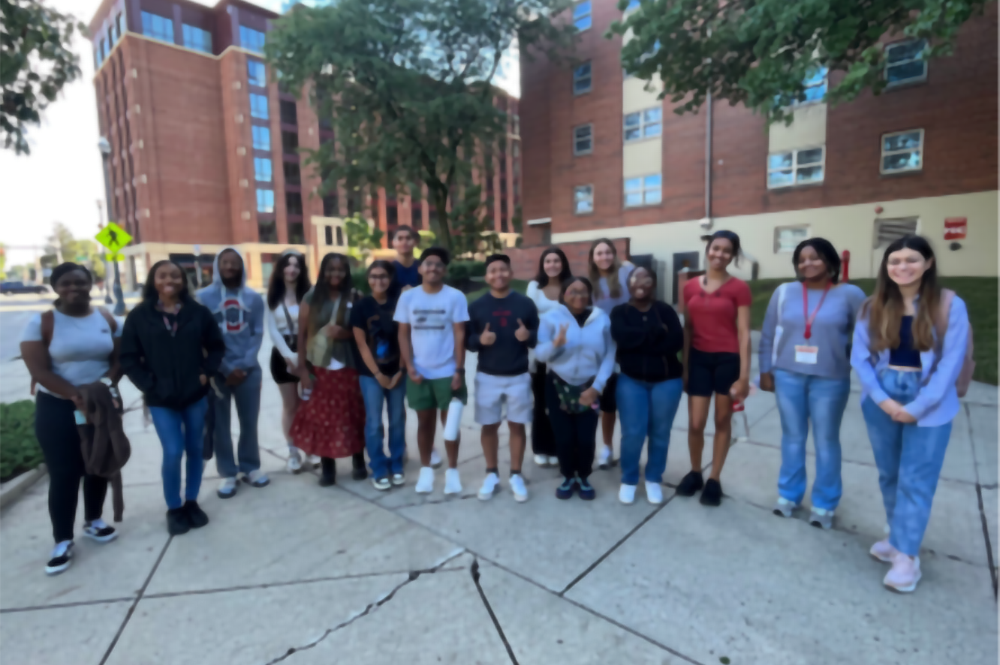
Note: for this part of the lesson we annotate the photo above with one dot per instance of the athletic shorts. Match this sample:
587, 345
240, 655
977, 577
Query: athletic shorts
712, 372
491, 393
609, 400
433, 394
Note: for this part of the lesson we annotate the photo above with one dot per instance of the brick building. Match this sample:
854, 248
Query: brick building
605, 157
204, 147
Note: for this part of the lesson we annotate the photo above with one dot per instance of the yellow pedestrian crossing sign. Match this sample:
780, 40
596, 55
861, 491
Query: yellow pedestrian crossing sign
113, 237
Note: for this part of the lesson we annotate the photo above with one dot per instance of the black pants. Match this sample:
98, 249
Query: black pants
575, 435
542, 439
55, 428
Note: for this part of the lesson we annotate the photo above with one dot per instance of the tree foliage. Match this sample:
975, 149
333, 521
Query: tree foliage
760, 52
35, 63
408, 84
72, 248
362, 237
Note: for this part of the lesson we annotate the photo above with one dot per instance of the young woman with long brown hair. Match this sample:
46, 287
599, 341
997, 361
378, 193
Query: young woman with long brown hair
909, 350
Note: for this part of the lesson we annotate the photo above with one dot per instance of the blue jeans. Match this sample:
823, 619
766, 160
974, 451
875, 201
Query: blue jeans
802, 398
180, 431
909, 460
374, 396
247, 398
646, 409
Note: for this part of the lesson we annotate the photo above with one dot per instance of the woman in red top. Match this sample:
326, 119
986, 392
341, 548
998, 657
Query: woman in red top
716, 359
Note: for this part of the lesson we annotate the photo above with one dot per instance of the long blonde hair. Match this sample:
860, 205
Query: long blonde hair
614, 285
884, 309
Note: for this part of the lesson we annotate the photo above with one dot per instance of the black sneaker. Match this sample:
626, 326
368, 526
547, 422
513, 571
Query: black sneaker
329, 475
358, 462
62, 557
587, 492
196, 516
177, 521
690, 484
565, 491
712, 494
99, 531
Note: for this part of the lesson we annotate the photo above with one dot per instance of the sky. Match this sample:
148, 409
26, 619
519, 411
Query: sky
62, 180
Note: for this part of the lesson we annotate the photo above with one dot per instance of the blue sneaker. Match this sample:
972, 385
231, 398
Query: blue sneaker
587, 492
565, 491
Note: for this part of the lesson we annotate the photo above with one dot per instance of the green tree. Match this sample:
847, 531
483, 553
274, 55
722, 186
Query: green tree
408, 83
62, 241
760, 52
35, 63
362, 237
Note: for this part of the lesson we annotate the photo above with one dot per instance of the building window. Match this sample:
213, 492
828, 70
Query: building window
796, 167
289, 142
256, 73
267, 231
902, 151
328, 234
331, 207
516, 125
293, 176
340, 237
252, 40
293, 203
288, 115
581, 79
643, 124
888, 231
787, 238
118, 26
258, 106
582, 17
296, 233
262, 169
197, 39
643, 191
265, 200
904, 63
583, 199
583, 140
815, 87
261, 137
158, 27
103, 49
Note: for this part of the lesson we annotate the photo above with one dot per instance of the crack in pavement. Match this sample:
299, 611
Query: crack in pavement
371, 607
474, 570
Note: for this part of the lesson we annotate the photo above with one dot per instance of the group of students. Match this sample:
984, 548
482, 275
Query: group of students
564, 357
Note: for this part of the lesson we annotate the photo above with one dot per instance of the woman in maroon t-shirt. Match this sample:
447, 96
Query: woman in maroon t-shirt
716, 359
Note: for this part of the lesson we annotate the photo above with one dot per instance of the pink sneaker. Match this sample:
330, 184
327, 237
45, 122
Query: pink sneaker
883, 551
905, 573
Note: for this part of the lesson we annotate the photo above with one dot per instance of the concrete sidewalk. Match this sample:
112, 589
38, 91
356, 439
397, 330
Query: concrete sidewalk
299, 574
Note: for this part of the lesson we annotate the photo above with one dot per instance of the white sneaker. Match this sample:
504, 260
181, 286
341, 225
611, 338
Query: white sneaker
398, 479
626, 494
256, 478
553, 460
542, 460
314, 460
452, 483
62, 557
883, 551
435, 460
518, 489
294, 464
489, 488
654, 493
99, 530
784, 508
604, 457
425, 483
227, 488
905, 573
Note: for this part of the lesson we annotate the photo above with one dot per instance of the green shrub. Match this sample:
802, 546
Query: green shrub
19, 451
458, 273
360, 278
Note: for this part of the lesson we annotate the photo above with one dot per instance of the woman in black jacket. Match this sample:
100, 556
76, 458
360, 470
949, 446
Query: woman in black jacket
649, 336
170, 345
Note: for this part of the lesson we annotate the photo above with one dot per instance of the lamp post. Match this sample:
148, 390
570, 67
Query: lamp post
107, 268
105, 147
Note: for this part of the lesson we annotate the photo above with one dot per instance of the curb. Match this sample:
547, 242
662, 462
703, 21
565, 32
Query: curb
13, 489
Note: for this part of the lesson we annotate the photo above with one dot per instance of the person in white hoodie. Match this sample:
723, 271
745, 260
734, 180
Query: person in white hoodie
574, 340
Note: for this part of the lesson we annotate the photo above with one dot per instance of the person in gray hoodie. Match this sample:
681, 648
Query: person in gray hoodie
239, 311
575, 341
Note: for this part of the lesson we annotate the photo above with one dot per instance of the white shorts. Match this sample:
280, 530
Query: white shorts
492, 391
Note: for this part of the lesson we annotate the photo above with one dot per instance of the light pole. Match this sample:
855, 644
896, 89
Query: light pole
105, 147
107, 268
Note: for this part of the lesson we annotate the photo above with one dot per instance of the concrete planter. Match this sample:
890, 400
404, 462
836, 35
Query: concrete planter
12, 490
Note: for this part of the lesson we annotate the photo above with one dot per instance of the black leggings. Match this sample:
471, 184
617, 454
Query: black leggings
575, 435
55, 428
542, 438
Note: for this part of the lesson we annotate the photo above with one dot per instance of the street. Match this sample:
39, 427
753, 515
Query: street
15, 311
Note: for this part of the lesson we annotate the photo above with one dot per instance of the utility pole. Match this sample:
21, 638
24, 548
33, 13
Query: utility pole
107, 271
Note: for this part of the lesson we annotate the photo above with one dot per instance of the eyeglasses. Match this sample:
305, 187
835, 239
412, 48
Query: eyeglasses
379, 277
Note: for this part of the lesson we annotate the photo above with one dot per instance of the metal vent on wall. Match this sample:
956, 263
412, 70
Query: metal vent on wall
888, 231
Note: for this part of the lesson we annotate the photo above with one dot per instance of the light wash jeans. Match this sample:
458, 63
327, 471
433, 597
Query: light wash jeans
646, 409
802, 398
374, 396
247, 398
909, 460
180, 431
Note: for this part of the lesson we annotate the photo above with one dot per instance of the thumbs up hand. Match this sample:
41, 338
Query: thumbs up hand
486, 338
522, 333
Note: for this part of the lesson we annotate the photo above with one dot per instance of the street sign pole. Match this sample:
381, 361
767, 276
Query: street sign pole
114, 238
119, 296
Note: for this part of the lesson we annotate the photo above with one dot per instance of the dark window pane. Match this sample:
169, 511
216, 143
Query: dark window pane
391, 216
292, 174
288, 115
330, 206
296, 233
267, 231
289, 142
293, 203
328, 235
340, 237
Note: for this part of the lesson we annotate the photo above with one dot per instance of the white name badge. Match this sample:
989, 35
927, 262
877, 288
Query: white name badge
807, 355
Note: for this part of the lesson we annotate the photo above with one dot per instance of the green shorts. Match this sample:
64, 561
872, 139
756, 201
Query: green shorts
433, 394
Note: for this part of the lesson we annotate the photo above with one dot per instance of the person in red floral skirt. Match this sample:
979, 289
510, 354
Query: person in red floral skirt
331, 423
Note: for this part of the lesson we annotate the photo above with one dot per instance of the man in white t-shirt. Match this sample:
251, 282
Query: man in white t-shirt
431, 321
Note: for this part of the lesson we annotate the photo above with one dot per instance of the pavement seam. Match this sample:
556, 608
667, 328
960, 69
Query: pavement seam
474, 570
371, 607
135, 603
57, 606
986, 537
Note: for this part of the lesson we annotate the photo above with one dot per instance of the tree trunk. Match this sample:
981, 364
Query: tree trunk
443, 232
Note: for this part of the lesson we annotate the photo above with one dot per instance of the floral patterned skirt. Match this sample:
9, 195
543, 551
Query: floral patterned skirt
332, 422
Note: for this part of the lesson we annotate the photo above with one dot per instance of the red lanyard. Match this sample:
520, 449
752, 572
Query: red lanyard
805, 307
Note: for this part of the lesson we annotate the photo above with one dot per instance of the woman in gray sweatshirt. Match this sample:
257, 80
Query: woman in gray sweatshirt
574, 340
804, 360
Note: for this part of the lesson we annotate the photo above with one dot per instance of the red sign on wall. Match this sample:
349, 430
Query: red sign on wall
955, 228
